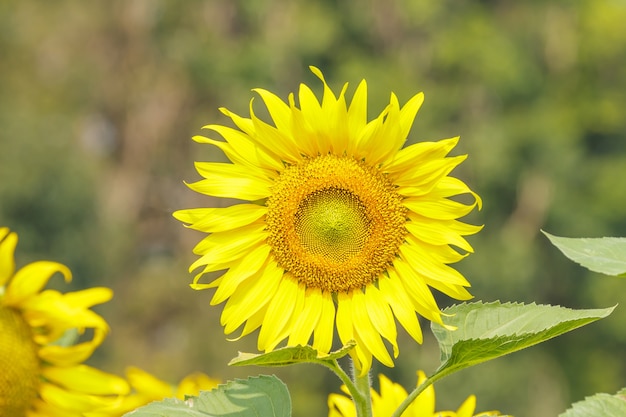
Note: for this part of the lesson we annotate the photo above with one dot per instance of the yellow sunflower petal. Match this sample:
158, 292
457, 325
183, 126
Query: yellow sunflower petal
240, 271
307, 320
368, 136
242, 123
85, 379
30, 279
213, 220
278, 314
278, 109
381, 316
275, 140
345, 329
408, 113
330, 117
74, 354
71, 401
387, 139
444, 232
252, 323
340, 406
311, 113
404, 160
455, 291
43, 409
89, 297
366, 331
307, 137
323, 333
8, 242
449, 187
402, 306
467, 408
231, 181
438, 209
295, 314
223, 247
445, 254
242, 149
194, 383
423, 300
147, 383
390, 397
50, 309
253, 295
424, 404
430, 172
357, 116
361, 356
419, 260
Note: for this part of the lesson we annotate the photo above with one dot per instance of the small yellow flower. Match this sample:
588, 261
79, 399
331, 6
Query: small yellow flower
391, 396
340, 224
40, 376
148, 388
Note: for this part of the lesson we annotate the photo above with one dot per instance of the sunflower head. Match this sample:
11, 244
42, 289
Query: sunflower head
341, 225
41, 375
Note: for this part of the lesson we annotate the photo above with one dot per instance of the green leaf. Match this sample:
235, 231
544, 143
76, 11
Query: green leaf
488, 331
599, 405
289, 356
606, 255
253, 397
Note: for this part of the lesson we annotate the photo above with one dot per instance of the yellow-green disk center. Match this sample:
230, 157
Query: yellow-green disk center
332, 223
19, 364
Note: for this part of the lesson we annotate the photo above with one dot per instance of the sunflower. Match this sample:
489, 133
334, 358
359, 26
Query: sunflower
148, 388
41, 374
391, 396
339, 224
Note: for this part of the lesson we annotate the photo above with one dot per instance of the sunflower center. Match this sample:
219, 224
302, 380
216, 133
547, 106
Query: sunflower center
19, 379
334, 222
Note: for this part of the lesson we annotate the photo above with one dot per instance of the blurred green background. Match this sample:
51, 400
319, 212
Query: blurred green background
98, 101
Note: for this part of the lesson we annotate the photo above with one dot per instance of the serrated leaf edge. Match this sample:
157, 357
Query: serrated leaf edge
516, 304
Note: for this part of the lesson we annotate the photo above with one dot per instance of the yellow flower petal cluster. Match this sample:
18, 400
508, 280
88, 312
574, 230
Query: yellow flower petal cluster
392, 395
41, 376
340, 226
148, 388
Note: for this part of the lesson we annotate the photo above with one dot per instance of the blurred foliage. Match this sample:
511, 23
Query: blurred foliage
99, 99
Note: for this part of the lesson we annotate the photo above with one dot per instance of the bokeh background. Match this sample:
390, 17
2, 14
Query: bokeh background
99, 100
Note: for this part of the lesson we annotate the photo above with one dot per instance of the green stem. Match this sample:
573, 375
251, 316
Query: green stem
359, 389
338, 370
363, 384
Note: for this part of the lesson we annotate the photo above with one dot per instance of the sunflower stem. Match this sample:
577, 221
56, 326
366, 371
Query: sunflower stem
352, 388
363, 403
